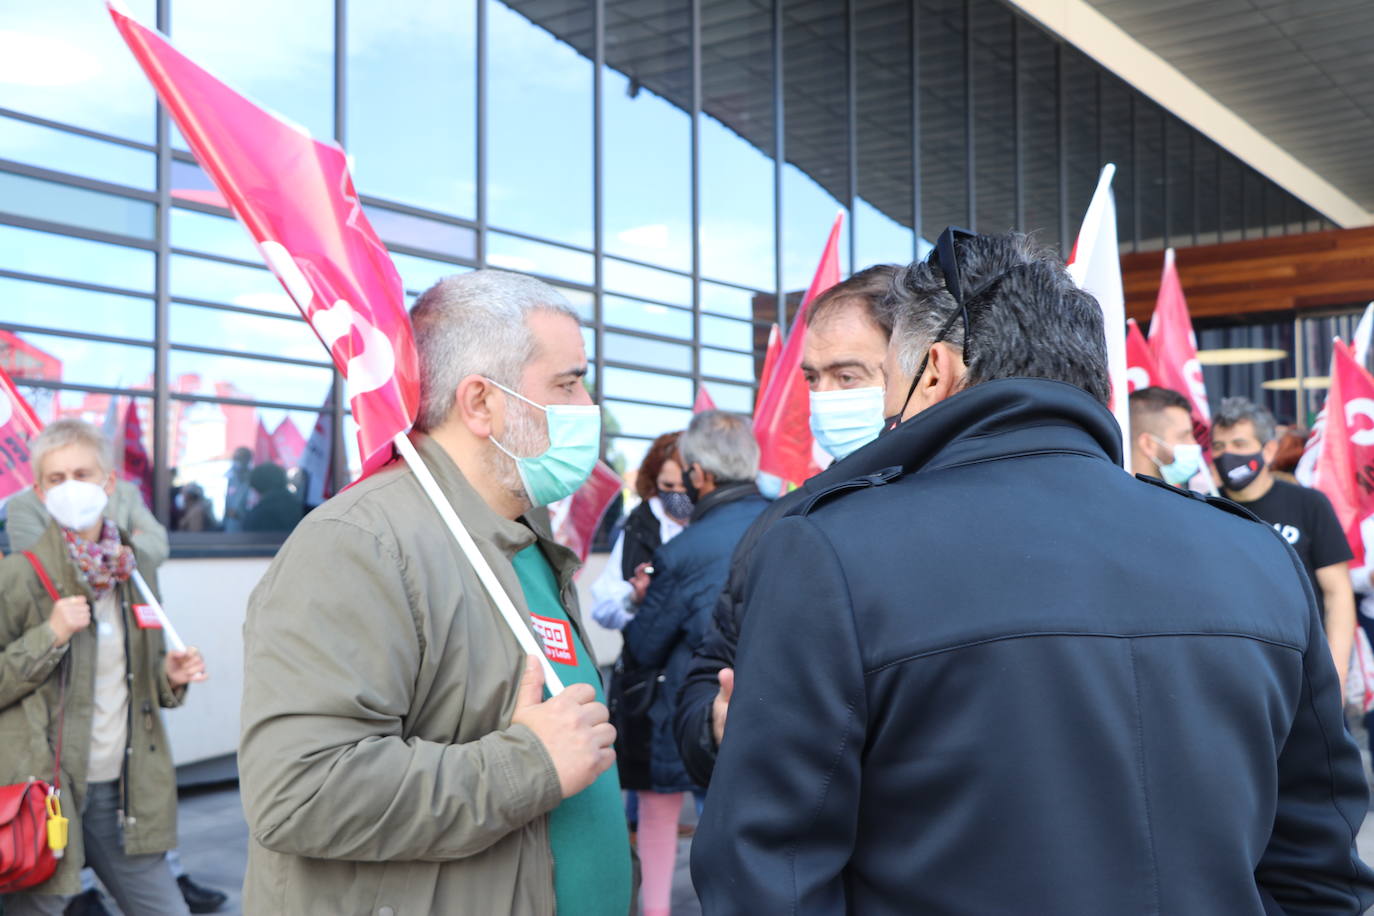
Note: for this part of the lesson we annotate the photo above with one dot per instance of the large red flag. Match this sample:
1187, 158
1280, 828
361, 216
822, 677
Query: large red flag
574, 519
1141, 369
1095, 265
137, 468
1175, 349
18, 424
1346, 465
782, 421
296, 198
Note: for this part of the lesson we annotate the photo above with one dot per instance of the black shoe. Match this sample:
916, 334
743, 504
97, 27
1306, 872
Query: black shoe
198, 898
87, 903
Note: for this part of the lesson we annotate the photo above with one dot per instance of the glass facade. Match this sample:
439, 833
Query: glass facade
672, 165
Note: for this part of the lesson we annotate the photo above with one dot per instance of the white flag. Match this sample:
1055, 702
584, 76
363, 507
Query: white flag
1095, 265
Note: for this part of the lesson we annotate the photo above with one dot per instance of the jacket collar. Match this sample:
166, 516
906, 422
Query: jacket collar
485, 524
724, 495
995, 419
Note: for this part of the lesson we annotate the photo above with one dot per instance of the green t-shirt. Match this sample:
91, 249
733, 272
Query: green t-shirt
587, 833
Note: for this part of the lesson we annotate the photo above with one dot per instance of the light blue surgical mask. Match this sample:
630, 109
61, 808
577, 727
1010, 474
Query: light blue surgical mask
1187, 462
574, 446
845, 420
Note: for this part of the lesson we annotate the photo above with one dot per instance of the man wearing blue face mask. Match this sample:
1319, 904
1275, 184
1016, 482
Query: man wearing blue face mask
842, 361
1163, 444
398, 754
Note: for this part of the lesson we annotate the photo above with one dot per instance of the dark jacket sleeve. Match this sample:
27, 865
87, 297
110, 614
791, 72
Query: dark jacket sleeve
1311, 865
657, 625
782, 818
692, 723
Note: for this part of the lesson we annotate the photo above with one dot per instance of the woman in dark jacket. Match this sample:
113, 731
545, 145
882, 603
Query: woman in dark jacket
661, 514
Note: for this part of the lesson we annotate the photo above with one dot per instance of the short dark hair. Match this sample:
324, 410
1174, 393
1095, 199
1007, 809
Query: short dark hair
1148, 403
1240, 410
663, 449
866, 289
1027, 318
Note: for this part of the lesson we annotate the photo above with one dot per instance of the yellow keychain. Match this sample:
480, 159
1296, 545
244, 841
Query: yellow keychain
57, 826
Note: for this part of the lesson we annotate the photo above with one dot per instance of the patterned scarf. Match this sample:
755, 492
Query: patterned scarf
102, 562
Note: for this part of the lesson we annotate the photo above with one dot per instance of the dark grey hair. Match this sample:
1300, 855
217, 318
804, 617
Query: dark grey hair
1238, 410
475, 324
1027, 318
723, 444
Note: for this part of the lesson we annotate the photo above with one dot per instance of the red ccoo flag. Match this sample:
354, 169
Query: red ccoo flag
1141, 370
1175, 348
18, 424
1347, 456
782, 420
296, 198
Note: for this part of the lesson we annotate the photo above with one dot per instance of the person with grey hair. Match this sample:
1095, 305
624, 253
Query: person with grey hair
82, 677
398, 754
720, 460
1243, 449
999, 674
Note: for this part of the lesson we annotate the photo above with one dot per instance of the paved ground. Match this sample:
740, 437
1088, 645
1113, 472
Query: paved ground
214, 842
214, 847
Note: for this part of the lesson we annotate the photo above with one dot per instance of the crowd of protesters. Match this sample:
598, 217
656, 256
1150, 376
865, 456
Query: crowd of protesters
971, 667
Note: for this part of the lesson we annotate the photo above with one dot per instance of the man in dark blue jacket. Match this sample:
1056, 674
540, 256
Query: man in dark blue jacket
720, 460
964, 687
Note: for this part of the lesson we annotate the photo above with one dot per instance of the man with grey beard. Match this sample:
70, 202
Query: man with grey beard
398, 754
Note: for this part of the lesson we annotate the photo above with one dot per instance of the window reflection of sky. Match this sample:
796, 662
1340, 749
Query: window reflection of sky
410, 125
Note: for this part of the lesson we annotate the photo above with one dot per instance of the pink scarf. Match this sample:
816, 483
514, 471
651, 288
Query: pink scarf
103, 562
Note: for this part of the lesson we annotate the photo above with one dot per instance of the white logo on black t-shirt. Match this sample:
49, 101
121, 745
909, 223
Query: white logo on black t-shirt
1289, 533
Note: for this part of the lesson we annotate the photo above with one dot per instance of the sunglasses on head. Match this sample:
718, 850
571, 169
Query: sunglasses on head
946, 255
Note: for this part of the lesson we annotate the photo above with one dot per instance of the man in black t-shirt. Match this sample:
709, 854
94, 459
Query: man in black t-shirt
1243, 445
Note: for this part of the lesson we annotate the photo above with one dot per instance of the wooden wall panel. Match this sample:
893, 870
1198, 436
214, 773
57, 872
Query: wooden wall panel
1311, 271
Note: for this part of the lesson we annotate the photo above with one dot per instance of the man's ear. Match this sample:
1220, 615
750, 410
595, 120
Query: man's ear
479, 406
944, 374
1270, 451
109, 487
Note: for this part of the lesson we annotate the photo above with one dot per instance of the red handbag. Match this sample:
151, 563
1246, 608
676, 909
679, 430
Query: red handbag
33, 832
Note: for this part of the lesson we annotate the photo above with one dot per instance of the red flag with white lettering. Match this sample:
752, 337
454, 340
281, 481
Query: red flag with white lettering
1175, 348
1346, 465
782, 420
296, 198
1141, 369
18, 424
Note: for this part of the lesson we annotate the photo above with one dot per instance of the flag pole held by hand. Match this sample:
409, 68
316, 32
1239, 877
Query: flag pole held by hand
151, 600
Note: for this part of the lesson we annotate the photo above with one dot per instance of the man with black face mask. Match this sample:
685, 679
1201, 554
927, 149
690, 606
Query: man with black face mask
963, 685
1243, 443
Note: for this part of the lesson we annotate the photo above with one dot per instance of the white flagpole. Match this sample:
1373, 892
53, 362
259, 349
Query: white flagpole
523, 634
167, 629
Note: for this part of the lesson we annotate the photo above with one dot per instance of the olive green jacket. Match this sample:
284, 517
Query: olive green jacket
379, 768
31, 668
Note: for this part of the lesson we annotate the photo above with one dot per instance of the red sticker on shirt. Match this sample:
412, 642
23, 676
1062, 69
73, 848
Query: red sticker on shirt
557, 637
146, 617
